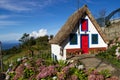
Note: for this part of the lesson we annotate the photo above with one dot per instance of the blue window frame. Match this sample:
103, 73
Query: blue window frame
94, 38
73, 39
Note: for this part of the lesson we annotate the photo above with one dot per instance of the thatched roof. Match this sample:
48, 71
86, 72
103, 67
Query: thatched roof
69, 26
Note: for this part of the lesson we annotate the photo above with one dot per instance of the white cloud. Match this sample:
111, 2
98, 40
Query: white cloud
26, 5
22, 5
13, 5
41, 32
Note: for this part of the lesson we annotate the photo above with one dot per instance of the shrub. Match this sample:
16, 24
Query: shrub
106, 73
47, 72
79, 73
28, 73
61, 76
110, 56
11, 74
19, 72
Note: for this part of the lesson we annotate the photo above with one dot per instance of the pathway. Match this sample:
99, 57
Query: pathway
90, 61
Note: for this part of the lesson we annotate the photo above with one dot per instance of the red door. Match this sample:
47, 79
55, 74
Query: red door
84, 44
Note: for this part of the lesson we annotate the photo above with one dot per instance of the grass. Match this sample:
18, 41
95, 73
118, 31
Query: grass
12, 58
110, 57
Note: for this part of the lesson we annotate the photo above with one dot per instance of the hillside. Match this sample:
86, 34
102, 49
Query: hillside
20, 64
28, 47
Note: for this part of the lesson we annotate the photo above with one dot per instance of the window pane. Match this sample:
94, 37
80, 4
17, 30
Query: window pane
84, 26
73, 38
94, 38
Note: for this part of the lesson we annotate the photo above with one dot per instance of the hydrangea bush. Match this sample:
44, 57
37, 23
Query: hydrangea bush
39, 70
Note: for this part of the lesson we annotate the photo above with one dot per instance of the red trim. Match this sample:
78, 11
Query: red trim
73, 50
90, 50
96, 50
101, 48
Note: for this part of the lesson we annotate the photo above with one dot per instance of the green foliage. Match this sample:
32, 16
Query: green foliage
115, 62
44, 54
49, 62
80, 73
21, 78
90, 70
11, 74
108, 53
31, 41
106, 73
28, 73
24, 38
111, 51
62, 63
13, 50
110, 56
42, 43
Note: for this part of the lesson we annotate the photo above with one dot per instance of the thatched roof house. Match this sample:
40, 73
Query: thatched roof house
73, 25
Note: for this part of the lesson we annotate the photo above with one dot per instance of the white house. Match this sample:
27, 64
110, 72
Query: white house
79, 35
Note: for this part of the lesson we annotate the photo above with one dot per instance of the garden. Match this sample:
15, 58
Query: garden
47, 69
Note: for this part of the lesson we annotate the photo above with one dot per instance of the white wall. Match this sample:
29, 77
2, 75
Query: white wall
92, 30
55, 49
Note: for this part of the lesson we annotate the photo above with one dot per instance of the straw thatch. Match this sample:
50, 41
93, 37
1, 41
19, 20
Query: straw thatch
71, 23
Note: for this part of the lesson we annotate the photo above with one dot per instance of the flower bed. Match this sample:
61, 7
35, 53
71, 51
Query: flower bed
49, 70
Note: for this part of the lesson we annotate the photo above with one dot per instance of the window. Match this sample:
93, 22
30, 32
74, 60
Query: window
73, 39
84, 25
94, 38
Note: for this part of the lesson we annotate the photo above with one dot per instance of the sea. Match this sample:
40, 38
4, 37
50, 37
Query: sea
8, 45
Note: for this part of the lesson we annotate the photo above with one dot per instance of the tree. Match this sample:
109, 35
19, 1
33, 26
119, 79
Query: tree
101, 17
31, 41
42, 42
51, 36
102, 13
24, 38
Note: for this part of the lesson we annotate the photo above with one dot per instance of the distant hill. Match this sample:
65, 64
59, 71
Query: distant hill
8, 45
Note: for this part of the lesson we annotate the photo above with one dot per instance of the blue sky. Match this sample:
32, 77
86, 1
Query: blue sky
40, 17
